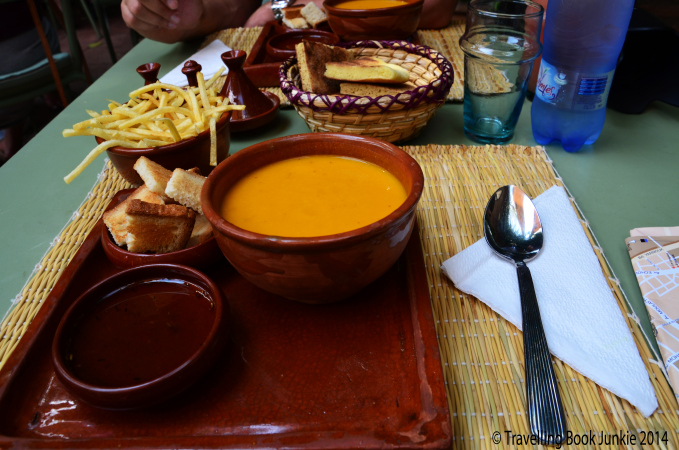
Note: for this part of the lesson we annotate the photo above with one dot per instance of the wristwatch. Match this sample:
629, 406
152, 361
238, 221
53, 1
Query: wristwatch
278, 5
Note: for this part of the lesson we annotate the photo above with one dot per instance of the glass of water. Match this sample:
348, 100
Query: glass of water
500, 44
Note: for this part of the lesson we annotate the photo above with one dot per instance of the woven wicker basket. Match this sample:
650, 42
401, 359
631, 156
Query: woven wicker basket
387, 117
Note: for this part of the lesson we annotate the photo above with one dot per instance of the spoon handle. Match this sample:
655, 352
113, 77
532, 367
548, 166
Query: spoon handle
545, 411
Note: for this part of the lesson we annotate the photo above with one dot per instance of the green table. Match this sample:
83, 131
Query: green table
627, 179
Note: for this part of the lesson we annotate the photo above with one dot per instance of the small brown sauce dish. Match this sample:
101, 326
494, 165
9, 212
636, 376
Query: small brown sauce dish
140, 336
282, 46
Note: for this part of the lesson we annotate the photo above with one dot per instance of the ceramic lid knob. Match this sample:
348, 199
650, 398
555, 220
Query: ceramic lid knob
149, 72
239, 86
190, 69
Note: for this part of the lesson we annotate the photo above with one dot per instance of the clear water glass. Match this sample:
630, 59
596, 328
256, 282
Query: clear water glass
500, 44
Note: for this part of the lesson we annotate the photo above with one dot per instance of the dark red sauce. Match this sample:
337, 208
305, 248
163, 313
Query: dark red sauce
139, 333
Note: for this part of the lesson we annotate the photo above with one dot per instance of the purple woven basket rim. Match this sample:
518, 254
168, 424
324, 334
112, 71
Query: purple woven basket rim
340, 104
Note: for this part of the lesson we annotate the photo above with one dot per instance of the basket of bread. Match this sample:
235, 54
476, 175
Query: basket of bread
383, 89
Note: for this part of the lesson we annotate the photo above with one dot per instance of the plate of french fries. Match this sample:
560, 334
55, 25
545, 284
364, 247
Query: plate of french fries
156, 115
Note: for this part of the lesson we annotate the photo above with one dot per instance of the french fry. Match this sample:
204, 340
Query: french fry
172, 128
98, 150
213, 141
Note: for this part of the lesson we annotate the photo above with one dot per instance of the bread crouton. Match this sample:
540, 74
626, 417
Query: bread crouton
154, 175
313, 15
157, 228
184, 187
202, 231
115, 218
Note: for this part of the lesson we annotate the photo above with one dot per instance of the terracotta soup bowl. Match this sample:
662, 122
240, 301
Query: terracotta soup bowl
393, 23
140, 336
185, 154
320, 269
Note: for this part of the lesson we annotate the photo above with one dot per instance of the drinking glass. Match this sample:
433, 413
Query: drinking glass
500, 44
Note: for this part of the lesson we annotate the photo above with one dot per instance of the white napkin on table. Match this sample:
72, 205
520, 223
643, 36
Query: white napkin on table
583, 323
209, 57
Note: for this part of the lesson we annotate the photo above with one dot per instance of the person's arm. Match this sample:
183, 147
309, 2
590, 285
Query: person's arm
436, 14
177, 20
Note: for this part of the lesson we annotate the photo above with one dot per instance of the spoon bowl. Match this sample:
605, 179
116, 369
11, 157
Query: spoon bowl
514, 231
512, 225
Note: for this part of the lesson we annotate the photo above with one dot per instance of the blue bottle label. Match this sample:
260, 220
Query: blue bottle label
573, 90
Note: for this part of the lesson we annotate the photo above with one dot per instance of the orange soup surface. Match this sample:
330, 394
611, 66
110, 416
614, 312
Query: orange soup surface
370, 4
312, 196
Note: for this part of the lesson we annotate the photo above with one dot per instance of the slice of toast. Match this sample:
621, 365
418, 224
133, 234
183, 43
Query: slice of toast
115, 218
312, 58
366, 70
374, 90
202, 231
313, 15
157, 228
184, 187
154, 175
292, 17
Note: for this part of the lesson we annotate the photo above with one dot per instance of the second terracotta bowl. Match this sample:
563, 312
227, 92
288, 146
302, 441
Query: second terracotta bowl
186, 154
382, 24
320, 269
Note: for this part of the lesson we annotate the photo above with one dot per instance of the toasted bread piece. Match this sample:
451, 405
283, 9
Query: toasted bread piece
154, 175
195, 170
157, 228
297, 23
184, 187
202, 231
115, 217
312, 58
292, 17
366, 70
313, 15
374, 90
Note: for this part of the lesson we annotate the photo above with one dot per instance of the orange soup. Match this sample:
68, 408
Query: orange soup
312, 196
370, 4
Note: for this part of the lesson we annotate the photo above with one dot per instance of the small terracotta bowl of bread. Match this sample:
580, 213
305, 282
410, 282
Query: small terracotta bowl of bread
309, 267
160, 222
370, 19
383, 89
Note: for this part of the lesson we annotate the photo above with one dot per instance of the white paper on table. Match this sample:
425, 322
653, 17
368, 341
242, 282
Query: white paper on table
582, 320
209, 58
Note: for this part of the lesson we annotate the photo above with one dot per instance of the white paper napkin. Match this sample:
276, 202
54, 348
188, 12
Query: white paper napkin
583, 323
209, 57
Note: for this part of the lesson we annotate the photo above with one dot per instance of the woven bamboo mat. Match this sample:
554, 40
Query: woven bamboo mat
444, 40
482, 354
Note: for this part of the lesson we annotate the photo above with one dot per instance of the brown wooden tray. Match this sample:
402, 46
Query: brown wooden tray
364, 372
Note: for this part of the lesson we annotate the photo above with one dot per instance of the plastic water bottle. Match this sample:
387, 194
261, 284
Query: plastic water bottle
582, 42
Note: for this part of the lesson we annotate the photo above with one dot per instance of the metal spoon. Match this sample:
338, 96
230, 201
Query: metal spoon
513, 230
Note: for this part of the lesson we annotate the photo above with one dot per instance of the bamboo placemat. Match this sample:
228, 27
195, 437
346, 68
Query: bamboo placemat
444, 40
481, 353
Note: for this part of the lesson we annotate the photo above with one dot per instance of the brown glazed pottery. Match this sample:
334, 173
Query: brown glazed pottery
282, 46
320, 269
202, 255
398, 22
120, 330
260, 107
149, 72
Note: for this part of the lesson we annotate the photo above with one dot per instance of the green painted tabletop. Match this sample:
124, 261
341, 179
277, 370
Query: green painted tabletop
627, 179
